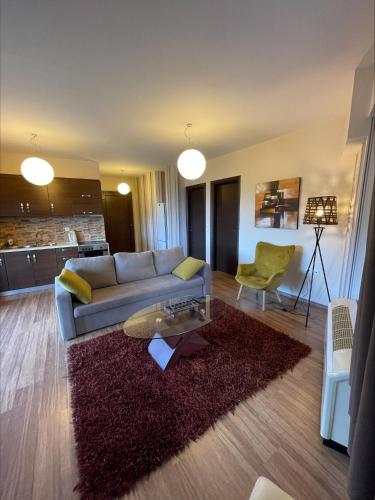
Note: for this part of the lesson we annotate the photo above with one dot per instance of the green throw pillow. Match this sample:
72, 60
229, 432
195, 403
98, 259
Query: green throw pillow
188, 268
75, 285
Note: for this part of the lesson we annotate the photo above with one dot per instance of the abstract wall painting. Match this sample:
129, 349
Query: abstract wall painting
277, 203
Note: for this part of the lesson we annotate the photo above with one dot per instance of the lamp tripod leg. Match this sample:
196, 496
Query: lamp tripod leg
324, 272
304, 279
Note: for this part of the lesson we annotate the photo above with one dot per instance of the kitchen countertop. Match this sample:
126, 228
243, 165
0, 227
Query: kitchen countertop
33, 248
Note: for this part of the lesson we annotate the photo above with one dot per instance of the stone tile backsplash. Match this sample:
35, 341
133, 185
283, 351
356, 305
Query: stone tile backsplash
51, 229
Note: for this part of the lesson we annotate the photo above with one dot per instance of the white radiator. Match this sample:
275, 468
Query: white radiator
335, 420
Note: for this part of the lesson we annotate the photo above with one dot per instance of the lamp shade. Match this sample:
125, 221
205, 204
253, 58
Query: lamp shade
191, 164
321, 210
123, 188
37, 171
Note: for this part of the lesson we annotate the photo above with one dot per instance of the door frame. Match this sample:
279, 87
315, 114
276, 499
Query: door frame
187, 189
235, 179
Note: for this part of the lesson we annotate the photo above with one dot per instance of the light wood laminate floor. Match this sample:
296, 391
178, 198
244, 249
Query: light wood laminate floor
275, 433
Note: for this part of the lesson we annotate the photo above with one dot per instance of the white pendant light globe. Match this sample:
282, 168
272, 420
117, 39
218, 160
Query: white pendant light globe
37, 171
191, 164
123, 188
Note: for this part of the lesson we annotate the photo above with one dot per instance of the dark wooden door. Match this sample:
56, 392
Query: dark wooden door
19, 266
196, 221
18, 197
225, 204
44, 266
4, 285
118, 219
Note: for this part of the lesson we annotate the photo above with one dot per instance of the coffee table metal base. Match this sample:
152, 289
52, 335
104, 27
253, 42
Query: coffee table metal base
167, 351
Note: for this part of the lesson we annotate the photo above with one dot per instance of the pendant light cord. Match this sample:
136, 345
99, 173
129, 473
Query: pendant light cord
187, 135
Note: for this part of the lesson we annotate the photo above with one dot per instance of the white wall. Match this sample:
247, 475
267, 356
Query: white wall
317, 155
10, 163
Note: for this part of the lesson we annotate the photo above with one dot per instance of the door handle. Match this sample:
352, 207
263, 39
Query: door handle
28, 258
1, 262
52, 205
34, 257
28, 208
22, 209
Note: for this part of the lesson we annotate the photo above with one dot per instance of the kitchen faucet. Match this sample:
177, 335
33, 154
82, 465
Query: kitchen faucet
38, 238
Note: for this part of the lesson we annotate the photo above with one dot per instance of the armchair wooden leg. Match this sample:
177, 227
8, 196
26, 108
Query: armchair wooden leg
278, 296
239, 292
263, 300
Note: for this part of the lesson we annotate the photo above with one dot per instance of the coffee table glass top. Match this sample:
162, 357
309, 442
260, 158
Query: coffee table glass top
172, 317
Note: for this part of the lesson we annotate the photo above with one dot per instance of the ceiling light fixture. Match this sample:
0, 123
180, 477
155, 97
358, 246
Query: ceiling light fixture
123, 187
36, 170
191, 163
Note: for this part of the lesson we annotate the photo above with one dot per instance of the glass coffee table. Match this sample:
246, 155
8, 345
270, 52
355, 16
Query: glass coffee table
170, 327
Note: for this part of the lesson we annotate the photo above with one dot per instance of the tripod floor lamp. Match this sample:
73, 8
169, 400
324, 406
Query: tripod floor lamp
320, 211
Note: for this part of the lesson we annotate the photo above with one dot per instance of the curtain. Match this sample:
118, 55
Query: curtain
172, 202
147, 199
361, 484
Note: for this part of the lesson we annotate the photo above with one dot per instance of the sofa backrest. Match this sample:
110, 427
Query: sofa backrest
134, 266
167, 260
98, 271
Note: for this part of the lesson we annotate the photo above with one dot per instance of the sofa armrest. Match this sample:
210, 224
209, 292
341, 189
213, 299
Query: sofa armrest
205, 272
64, 307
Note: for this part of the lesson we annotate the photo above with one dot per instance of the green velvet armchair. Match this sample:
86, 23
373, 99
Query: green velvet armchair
268, 270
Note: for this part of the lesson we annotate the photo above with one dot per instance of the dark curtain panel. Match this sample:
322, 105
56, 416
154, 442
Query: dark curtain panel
362, 380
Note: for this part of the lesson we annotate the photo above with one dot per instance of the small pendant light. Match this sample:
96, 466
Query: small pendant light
191, 163
123, 187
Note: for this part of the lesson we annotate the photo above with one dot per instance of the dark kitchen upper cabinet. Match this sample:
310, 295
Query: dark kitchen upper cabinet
75, 197
19, 267
4, 285
18, 197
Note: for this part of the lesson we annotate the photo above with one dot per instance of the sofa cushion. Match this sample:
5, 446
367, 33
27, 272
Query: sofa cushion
117, 296
134, 266
99, 272
76, 285
188, 268
166, 260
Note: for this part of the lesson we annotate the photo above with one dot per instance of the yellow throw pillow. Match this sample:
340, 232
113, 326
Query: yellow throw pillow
188, 268
75, 285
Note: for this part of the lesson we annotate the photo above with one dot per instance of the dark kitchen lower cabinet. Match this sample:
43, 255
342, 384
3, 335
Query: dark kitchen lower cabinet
26, 269
64, 254
19, 267
4, 285
44, 266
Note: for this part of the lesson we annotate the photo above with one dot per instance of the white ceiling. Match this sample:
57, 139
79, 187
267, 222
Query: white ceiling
115, 81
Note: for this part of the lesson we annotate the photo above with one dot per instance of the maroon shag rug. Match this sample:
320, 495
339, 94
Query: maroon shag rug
130, 417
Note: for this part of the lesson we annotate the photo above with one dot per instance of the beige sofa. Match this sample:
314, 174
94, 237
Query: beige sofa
123, 284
